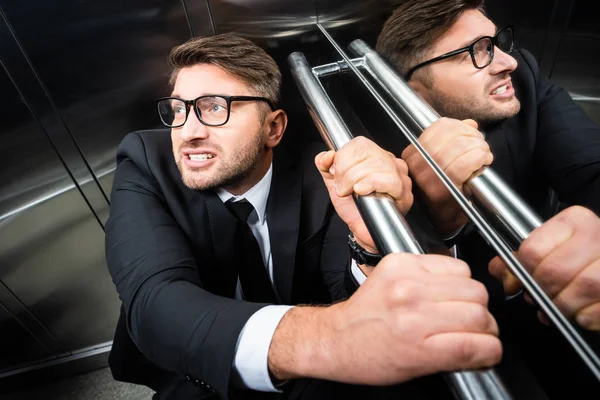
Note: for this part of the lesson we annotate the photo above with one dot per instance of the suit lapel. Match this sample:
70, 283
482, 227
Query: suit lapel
283, 218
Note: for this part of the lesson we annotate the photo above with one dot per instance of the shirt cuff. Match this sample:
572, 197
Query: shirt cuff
357, 273
250, 364
512, 296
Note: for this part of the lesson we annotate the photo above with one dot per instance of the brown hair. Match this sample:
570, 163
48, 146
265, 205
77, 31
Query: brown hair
415, 26
238, 56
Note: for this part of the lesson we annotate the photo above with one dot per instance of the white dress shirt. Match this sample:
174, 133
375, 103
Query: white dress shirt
250, 362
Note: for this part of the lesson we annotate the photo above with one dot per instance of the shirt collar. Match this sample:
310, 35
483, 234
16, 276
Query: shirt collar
257, 195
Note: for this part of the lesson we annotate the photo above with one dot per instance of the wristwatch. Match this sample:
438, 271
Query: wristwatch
360, 255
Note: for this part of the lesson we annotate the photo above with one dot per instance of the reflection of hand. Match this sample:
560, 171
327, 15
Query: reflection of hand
415, 315
460, 150
363, 168
563, 257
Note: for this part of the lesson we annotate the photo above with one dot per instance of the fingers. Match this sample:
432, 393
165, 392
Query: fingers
589, 317
437, 264
583, 291
442, 131
500, 271
324, 161
460, 147
464, 167
410, 278
370, 171
462, 351
463, 317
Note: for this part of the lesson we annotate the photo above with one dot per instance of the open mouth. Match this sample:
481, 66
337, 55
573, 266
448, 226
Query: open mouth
200, 157
500, 89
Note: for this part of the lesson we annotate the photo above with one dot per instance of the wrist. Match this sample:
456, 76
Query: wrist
365, 246
361, 255
299, 352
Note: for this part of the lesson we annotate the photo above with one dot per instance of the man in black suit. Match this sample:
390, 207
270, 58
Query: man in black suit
536, 138
207, 290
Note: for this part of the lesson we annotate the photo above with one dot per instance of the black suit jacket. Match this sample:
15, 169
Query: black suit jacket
549, 153
170, 253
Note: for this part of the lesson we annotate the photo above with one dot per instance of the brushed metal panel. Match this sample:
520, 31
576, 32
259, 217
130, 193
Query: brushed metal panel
32, 90
18, 345
199, 17
578, 61
103, 64
52, 268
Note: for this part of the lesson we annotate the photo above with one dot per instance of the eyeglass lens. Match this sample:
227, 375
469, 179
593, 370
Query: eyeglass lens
213, 111
484, 48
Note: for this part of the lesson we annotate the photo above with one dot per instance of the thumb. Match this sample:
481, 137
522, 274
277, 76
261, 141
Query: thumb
324, 161
471, 123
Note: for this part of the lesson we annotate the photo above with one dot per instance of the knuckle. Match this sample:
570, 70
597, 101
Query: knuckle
405, 292
462, 267
587, 286
480, 292
480, 319
464, 350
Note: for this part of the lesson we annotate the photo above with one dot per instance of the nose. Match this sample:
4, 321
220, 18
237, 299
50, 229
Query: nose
503, 62
193, 128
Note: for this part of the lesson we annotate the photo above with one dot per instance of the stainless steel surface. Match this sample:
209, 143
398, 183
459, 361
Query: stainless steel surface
565, 327
323, 71
385, 223
88, 71
80, 75
490, 192
576, 65
52, 271
469, 385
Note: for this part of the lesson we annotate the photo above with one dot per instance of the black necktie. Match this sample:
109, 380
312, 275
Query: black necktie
254, 277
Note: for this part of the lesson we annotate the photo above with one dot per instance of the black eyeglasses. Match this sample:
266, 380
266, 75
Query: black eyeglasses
211, 110
481, 50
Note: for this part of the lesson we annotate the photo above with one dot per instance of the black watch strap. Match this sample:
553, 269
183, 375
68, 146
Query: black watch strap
360, 255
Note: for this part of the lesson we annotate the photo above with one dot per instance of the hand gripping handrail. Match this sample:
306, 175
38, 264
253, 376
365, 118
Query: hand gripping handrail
489, 192
384, 221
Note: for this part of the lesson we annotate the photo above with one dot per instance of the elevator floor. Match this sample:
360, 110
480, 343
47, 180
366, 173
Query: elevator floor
95, 385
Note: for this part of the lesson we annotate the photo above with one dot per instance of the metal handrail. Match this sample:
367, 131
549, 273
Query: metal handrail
384, 221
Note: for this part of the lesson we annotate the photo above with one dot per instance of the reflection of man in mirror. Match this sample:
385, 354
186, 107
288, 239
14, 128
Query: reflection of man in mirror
539, 140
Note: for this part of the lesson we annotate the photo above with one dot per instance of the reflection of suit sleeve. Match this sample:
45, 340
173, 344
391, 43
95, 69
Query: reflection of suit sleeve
175, 323
336, 261
567, 144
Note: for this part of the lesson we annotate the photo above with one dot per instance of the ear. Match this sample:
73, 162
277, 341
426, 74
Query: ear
419, 88
275, 124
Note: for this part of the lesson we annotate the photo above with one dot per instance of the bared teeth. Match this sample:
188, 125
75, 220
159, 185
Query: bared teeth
500, 90
200, 157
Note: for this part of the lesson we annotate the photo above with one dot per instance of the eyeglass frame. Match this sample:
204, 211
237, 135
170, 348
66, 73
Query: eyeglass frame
192, 103
469, 48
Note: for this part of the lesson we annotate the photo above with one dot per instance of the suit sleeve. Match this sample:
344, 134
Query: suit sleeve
568, 144
174, 322
336, 261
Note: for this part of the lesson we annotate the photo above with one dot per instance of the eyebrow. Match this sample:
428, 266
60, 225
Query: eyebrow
470, 42
206, 94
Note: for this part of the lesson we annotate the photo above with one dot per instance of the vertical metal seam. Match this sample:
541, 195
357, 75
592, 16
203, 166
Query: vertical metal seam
210, 16
52, 104
187, 17
562, 36
35, 319
60, 157
22, 325
548, 31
